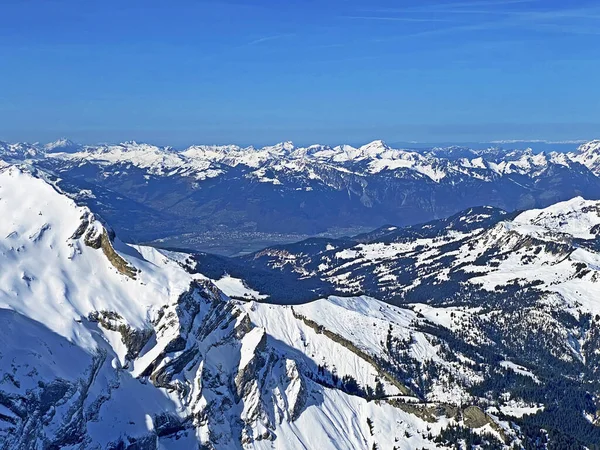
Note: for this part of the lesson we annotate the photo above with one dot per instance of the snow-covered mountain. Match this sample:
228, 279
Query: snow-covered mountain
200, 161
588, 154
109, 345
482, 246
282, 193
488, 335
517, 288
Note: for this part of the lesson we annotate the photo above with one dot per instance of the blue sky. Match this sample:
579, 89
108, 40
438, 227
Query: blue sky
255, 72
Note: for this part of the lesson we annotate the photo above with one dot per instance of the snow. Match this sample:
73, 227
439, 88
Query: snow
159, 161
286, 331
131, 406
528, 163
575, 217
50, 282
519, 370
378, 251
339, 422
588, 154
450, 317
39, 259
515, 408
26, 343
236, 288
363, 320
203, 162
249, 346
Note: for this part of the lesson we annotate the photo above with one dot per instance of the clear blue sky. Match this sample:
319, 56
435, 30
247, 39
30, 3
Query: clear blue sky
326, 71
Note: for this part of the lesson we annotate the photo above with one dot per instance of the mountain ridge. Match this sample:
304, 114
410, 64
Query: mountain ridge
252, 156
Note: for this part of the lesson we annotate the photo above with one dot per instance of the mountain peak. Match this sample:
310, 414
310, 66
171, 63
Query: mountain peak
589, 147
134, 146
588, 154
61, 145
377, 146
281, 147
576, 216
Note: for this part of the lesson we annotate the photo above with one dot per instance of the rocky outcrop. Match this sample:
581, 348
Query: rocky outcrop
100, 239
97, 236
133, 338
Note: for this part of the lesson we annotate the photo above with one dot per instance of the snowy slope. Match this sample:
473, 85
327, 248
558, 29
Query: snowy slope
45, 255
577, 217
512, 300
394, 262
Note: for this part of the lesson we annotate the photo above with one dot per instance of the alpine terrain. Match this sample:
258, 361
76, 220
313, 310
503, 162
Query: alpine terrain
480, 330
231, 200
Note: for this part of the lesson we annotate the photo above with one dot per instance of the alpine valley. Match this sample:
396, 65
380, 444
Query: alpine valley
232, 200
459, 309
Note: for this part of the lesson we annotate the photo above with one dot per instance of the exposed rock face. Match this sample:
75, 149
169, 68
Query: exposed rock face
474, 417
200, 337
100, 239
201, 329
46, 411
133, 339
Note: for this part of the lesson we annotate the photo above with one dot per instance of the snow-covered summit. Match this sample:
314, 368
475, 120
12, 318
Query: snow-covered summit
21, 150
588, 154
61, 145
577, 217
589, 147
59, 262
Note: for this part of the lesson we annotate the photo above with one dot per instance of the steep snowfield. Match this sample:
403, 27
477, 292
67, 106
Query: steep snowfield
43, 258
105, 344
337, 421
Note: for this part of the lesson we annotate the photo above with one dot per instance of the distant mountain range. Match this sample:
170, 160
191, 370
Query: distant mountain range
254, 197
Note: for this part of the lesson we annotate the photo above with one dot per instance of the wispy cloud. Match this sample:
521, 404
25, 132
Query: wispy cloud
577, 21
454, 7
475, 3
264, 39
395, 19
567, 29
